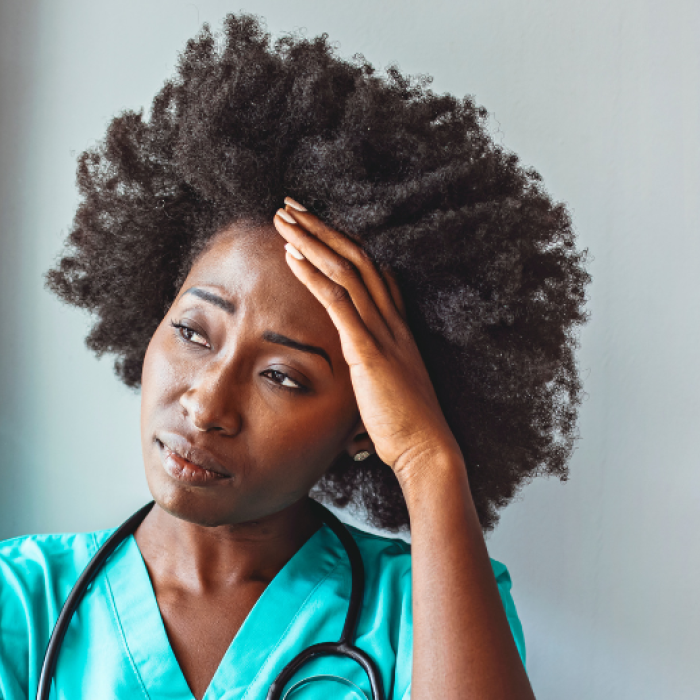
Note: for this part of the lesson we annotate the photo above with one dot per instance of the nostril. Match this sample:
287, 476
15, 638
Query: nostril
208, 411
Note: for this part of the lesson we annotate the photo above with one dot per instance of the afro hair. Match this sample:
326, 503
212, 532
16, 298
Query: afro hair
493, 282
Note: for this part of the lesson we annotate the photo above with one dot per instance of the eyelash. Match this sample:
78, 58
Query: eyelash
182, 329
298, 389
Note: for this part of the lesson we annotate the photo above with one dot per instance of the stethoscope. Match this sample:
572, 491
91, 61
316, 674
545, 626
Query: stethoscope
343, 647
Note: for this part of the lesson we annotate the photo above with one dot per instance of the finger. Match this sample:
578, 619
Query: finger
347, 248
337, 269
395, 292
356, 341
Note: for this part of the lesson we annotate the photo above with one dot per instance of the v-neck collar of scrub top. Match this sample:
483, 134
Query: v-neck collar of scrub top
285, 597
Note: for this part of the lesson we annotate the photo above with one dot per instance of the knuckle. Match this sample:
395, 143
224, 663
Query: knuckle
374, 352
401, 331
363, 258
341, 270
338, 295
370, 351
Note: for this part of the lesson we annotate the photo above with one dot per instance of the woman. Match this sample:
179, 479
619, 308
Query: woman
398, 336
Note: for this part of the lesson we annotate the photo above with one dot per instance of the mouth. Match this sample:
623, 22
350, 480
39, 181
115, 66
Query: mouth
182, 461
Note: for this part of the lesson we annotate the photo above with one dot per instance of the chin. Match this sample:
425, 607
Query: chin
195, 505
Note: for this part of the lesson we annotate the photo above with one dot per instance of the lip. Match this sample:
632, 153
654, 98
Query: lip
185, 462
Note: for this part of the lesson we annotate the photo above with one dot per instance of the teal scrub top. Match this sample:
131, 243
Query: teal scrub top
117, 647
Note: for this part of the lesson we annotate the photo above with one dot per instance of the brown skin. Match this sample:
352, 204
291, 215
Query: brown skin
215, 385
211, 549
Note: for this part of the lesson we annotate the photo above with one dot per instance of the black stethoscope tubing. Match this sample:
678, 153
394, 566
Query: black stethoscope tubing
343, 647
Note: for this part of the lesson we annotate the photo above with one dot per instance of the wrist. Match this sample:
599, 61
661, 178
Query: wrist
431, 472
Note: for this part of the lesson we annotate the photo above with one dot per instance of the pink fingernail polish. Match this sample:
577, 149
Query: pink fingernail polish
294, 204
285, 216
293, 251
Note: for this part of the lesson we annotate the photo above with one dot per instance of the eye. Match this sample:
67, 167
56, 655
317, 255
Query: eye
190, 334
284, 381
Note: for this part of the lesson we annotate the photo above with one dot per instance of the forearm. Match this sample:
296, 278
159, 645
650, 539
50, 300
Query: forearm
462, 643
463, 646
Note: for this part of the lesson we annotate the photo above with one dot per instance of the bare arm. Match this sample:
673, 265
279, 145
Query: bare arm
463, 647
462, 643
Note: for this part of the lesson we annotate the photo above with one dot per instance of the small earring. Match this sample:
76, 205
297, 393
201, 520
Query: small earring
361, 456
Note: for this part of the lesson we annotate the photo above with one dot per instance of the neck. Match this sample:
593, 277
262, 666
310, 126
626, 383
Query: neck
199, 558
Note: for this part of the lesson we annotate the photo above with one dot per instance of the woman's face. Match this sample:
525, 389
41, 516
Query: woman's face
244, 377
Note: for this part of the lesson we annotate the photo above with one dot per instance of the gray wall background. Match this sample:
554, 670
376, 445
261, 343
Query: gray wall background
602, 97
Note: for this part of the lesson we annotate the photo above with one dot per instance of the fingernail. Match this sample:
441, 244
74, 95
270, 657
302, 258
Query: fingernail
294, 204
293, 251
286, 216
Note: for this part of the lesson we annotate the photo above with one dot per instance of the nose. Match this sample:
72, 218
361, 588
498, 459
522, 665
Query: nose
211, 402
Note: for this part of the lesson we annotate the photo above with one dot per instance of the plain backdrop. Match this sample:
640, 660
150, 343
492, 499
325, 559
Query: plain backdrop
602, 98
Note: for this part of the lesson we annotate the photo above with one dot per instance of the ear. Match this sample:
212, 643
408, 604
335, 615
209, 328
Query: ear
360, 441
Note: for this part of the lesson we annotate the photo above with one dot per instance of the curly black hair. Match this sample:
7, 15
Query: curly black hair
487, 263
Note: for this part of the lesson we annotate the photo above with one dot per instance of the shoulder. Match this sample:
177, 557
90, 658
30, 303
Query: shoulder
36, 574
36, 547
32, 553
387, 562
37, 568
395, 553
388, 574
379, 548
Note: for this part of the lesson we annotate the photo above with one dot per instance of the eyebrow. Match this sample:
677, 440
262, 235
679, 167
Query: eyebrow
227, 306
269, 336
288, 342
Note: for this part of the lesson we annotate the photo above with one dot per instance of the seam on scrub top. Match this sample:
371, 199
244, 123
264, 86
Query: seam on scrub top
123, 637
371, 536
292, 621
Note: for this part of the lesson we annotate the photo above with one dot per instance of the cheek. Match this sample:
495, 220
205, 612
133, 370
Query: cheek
307, 438
159, 376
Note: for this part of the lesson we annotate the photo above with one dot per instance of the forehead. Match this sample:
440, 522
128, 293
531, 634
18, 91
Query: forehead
247, 265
